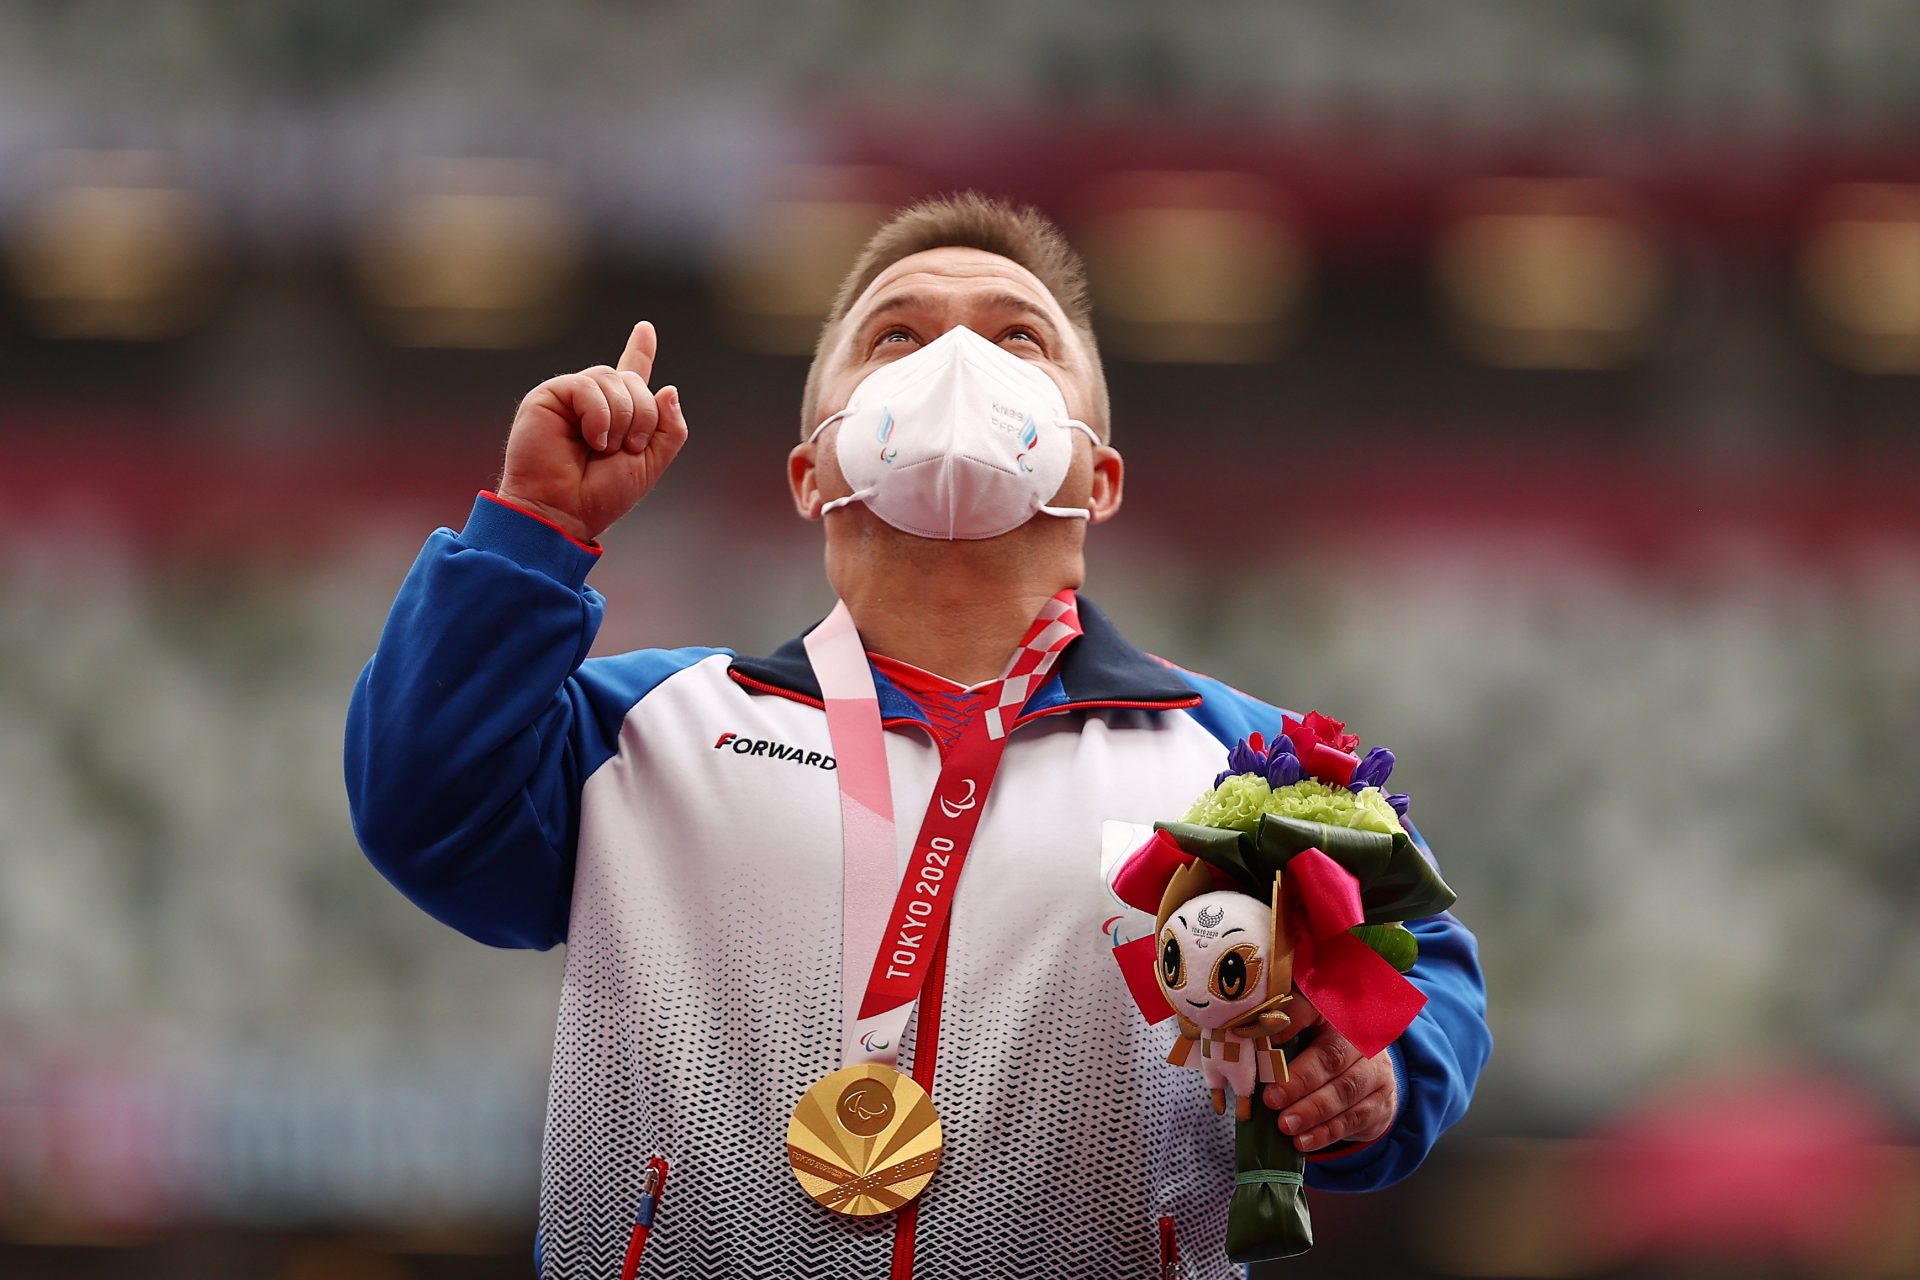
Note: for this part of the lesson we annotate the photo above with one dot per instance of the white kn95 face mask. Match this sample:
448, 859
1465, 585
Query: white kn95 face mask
961, 439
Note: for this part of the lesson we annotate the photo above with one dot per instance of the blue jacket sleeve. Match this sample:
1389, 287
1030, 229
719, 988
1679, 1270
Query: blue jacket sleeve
1437, 1061
474, 725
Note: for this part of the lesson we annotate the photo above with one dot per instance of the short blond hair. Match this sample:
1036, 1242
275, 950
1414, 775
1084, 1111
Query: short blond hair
969, 220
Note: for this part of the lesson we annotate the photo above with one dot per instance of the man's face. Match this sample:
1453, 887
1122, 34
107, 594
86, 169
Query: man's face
922, 296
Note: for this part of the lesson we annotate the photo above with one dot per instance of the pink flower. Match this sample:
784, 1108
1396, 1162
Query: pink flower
1325, 748
1319, 728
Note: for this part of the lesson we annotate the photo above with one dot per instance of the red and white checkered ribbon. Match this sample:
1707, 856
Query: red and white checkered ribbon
1057, 624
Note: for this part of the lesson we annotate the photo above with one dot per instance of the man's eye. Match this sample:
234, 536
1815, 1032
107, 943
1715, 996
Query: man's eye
1020, 335
893, 335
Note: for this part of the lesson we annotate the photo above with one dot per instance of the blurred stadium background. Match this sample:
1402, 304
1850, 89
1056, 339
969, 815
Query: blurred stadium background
1534, 385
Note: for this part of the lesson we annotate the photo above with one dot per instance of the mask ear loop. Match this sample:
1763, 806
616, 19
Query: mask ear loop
1073, 513
825, 422
858, 495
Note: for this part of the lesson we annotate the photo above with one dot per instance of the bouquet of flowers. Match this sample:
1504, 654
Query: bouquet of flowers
1294, 870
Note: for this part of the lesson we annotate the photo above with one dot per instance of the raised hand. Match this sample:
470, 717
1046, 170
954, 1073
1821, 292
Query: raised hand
585, 447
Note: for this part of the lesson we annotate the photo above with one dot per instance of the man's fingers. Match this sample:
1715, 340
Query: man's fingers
1364, 1121
672, 433
1327, 1056
590, 406
1341, 1093
646, 410
620, 401
642, 345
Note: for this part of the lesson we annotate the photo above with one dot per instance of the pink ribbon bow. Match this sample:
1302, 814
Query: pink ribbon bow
1357, 992
1365, 999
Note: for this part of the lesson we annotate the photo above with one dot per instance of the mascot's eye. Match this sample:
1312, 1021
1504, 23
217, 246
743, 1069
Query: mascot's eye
1235, 973
1173, 970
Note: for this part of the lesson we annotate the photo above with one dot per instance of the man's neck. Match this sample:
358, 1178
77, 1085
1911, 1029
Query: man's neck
967, 641
957, 609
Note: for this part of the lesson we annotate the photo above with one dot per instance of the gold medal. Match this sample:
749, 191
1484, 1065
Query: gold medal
864, 1140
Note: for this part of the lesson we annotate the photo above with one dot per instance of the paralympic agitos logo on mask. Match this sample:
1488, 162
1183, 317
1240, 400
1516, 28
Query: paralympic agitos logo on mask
772, 750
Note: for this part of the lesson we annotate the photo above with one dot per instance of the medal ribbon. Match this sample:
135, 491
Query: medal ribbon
893, 946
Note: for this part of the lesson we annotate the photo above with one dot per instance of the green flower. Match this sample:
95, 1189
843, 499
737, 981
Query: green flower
1314, 801
1238, 802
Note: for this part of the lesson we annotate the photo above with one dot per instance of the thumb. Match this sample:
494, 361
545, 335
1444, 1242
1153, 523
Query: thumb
1301, 1011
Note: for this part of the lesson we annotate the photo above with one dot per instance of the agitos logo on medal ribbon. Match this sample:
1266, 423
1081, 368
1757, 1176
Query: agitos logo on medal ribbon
954, 808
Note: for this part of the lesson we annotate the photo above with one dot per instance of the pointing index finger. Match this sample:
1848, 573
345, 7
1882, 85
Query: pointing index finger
642, 344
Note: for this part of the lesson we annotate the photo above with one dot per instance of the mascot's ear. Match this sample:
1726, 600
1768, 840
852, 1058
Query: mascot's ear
1189, 881
1280, 975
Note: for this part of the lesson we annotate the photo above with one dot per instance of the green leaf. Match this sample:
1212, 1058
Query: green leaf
1396, 945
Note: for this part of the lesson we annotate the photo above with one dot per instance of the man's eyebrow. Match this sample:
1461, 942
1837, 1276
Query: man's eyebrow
1009, 302
1013, 302
898, 302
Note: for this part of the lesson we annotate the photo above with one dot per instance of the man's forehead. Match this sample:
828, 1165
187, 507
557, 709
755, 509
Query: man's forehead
953, 267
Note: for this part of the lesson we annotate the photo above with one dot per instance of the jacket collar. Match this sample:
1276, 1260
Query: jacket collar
1100, 669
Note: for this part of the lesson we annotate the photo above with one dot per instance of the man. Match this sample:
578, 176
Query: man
689, 821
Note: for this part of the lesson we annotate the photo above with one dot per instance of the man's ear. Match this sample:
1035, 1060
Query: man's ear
803, 477
1109, 475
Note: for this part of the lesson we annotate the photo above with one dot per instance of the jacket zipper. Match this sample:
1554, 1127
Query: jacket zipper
656, 1185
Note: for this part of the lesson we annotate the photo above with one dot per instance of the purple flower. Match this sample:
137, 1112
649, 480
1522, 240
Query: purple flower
1221, 777
1399, 801
1283, 767
1245, 758
1372, 771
